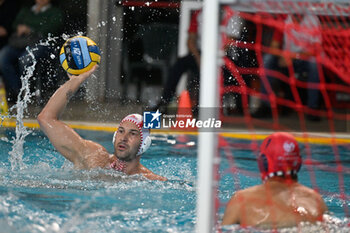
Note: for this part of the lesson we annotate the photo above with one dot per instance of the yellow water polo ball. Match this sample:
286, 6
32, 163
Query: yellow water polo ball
79, 54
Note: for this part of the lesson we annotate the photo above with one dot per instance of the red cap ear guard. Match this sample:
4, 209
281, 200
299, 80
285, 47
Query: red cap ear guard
279, 156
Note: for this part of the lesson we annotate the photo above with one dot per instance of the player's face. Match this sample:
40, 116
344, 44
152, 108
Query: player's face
127, 141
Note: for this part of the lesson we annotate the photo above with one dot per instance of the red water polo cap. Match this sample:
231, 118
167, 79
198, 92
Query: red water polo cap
279, 156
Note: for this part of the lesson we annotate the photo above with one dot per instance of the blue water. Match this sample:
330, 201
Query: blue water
45, 194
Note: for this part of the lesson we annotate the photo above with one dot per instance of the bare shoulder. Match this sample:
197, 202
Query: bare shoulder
150, 175
94, 155
311, 192
307, 191
250, 191
311, 196
233, 208
94, 146
253, 189
243, 197
153, 176
238, 197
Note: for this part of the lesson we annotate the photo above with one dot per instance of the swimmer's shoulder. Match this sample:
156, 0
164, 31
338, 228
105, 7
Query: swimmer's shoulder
304, 190
240, 196
95, 155
256, 189
243, 197
312, 195
151, 175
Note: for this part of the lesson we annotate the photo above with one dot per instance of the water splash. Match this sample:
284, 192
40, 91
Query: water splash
21, 106
24, 97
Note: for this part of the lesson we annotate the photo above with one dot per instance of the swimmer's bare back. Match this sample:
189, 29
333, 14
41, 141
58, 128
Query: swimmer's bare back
275, 205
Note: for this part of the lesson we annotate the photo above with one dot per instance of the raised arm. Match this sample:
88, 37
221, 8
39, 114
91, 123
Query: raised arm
64, 138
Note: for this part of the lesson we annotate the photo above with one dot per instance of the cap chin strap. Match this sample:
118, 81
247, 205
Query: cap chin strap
280, 174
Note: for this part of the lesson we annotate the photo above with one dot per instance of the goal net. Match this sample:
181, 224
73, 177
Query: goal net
285, 66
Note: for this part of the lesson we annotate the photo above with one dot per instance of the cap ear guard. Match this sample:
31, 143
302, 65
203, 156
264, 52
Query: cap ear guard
298, 166
114, 135
145, 145
263, 163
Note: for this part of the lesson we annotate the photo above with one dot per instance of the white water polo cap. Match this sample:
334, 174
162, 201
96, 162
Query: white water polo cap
146, 140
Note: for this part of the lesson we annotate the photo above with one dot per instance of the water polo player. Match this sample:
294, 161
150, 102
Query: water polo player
130, 140
280, 201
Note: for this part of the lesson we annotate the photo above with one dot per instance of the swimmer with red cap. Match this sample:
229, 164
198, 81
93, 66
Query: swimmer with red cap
280, 201
130, 140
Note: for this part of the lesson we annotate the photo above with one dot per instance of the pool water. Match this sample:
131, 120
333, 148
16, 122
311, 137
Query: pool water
41, 192
46, 194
